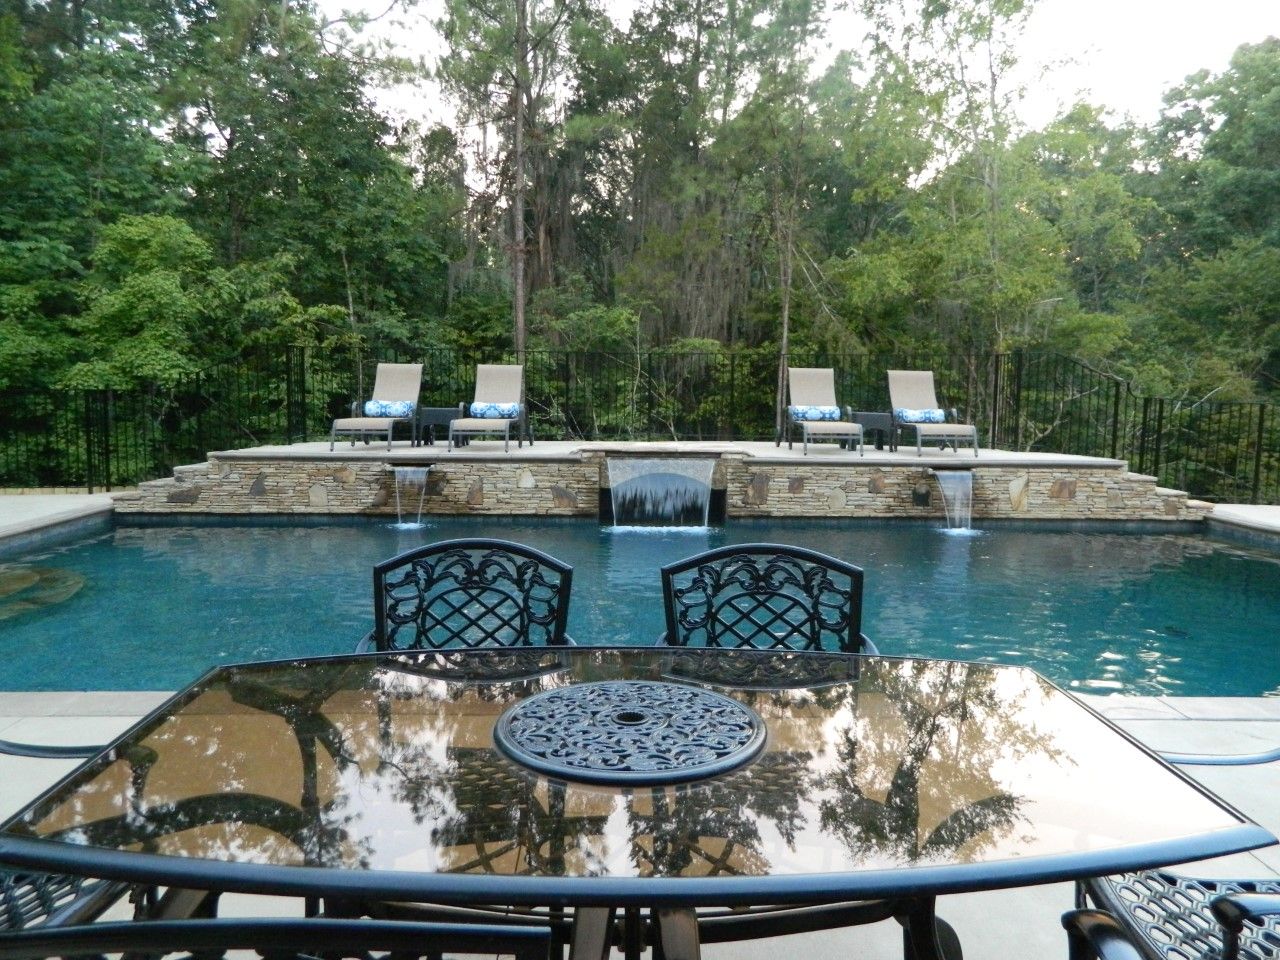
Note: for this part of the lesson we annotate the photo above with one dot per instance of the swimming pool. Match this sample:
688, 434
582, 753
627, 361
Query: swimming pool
1175, 614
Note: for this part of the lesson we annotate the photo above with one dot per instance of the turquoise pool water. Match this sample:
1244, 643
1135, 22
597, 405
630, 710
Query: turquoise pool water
1096, 612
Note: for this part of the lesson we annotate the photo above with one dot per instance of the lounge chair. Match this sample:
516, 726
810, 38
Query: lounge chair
915, 406
498, 404
395, 400
765, 596
469, 593
813, 408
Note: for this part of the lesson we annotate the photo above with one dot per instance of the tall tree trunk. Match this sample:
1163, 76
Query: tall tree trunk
517, 205
785, 250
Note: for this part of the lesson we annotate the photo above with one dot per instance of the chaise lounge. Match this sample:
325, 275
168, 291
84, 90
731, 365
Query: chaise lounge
499, 403
813, 408
915, 406
395, 400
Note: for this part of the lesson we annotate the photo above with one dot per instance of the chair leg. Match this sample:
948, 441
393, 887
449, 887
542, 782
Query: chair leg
450, 447
333, 436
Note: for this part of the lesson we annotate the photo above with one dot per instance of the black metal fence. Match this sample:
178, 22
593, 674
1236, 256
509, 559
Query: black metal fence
1227, 452
102, 439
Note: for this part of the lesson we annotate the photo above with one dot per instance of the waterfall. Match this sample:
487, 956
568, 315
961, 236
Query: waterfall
957, 497
660, 491
410, 478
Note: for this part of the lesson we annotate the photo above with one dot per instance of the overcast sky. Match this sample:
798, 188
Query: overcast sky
1123, 54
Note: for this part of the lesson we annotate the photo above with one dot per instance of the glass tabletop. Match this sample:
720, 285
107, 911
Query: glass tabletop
836, 776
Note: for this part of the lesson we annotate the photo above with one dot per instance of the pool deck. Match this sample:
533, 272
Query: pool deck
1020, 922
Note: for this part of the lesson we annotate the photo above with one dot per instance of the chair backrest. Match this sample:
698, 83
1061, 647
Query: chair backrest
470, 593
912, 389
812, 386
765, 596
499, 383
397, 381
293, 937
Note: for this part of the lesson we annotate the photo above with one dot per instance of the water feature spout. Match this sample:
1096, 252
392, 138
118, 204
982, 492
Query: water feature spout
660, 491
957, 497
410, 478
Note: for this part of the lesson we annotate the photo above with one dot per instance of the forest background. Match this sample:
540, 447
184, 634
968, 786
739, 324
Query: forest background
183, 181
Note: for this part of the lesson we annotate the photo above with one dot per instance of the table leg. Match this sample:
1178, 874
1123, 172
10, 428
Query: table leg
592, 929
925, 936
678, 934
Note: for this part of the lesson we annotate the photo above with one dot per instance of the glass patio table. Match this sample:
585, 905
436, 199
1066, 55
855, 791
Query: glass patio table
663, 780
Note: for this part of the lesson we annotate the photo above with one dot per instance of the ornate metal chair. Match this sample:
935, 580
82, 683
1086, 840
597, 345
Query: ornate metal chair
765, 596
44, 900
1160, 915
470, 593
276, 938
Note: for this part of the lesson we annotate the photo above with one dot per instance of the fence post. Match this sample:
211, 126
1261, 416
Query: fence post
89, 451
1017, 399
733, 384
1257, 452
1115, 421
1159, 438
997, 361
295, 393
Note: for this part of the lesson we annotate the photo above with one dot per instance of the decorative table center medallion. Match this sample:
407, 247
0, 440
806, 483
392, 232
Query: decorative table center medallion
630, 732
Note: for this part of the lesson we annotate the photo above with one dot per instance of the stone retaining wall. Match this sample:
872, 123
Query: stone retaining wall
1079, 493
545, 488
571, 487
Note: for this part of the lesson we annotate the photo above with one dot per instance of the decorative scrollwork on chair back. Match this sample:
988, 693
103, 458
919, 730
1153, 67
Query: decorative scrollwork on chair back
764, 596
471, 593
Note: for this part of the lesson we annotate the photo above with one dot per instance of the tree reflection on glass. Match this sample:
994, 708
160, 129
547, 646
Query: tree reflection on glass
940, 795
718, 834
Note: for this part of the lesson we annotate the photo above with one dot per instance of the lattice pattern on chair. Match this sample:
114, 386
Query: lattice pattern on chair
764, 596
471, 593
1169, 918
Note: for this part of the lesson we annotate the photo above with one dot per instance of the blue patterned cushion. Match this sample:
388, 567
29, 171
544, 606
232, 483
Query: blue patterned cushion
495, 411
907, 415
388, 408
815, 413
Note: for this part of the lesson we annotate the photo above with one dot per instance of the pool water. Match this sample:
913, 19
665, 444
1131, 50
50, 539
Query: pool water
1095, 612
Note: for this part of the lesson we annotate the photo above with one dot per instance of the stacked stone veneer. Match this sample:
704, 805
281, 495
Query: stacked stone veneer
1076, 493
550, 488
571, 487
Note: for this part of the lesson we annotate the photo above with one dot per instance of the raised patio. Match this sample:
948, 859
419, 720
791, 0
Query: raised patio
566, 478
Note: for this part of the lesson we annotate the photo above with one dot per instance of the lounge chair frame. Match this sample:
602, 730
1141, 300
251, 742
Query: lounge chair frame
495, 383
816, 387
393, 382
913, 389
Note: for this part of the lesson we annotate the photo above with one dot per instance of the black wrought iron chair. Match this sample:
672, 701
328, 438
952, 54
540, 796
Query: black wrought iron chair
30, 899
766, 596
470, 593
276, 938
1161, 915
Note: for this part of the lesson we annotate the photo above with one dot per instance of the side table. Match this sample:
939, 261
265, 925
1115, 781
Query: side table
429, 418
881, 423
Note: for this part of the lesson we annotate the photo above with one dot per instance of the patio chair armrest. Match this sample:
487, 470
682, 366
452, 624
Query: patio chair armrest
953, 415
43, 752
1096, 933
357, 408
1233, 910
